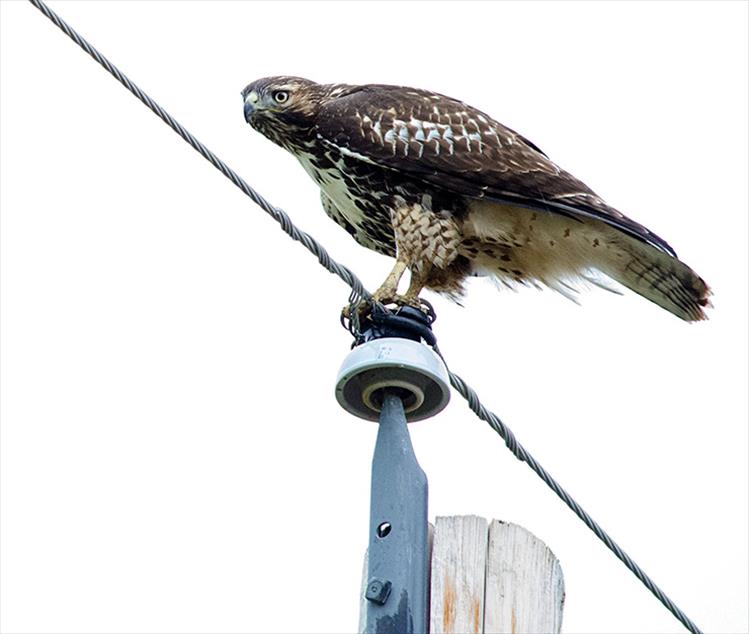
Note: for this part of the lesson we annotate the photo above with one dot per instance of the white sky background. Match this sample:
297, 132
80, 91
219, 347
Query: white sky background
173, 458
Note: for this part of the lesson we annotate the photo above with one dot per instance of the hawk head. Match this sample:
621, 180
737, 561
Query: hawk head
283, 108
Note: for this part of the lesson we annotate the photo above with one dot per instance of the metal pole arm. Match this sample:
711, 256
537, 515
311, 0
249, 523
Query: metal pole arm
398, 576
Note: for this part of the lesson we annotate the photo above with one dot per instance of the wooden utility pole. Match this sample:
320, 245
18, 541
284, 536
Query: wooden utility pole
492, 577
489, 578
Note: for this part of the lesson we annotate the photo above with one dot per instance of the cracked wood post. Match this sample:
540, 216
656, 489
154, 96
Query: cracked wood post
489, 578
494, 577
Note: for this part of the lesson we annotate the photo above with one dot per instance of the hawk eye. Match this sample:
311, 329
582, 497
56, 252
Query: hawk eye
281, 96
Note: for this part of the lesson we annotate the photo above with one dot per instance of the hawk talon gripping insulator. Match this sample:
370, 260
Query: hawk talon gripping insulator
393, 352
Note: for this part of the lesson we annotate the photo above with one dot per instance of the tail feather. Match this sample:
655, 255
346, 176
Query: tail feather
520, 247
659, 277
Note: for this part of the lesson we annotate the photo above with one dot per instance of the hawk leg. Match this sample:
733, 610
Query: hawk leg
418, 281
389, 288
427, 242
388, 291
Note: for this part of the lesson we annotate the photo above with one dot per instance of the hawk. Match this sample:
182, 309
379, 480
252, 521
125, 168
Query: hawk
449, 193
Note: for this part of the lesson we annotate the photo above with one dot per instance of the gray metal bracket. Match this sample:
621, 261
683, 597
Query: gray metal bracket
398, 576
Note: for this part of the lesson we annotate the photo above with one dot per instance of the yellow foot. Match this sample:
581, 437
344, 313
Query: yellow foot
414, 302
364, 307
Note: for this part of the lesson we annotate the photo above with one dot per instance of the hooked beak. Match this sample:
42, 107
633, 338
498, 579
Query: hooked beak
249, 110
249, 105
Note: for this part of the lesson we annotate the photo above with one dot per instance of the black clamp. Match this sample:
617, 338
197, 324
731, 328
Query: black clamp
406, 322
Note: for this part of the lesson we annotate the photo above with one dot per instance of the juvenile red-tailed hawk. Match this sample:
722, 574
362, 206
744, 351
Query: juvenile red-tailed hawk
450, 192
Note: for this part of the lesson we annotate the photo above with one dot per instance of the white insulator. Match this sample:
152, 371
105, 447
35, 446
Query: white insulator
412, 368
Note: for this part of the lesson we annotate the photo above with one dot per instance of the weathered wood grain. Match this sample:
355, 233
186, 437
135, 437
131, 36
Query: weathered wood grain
489, 578
458, 571
524, 583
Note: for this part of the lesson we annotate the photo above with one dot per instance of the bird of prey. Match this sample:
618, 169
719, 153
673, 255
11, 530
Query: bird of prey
450, 192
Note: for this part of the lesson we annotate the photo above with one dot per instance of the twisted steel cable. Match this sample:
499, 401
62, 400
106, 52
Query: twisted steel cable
522, 454
279, 215
358, 292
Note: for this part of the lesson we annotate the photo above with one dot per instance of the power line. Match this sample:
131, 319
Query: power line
359, 292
